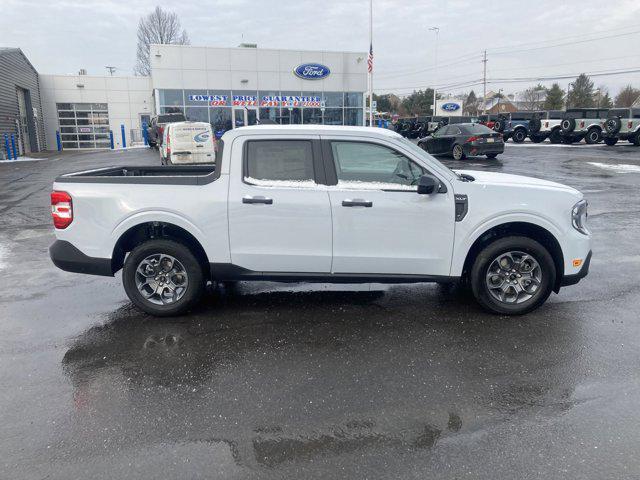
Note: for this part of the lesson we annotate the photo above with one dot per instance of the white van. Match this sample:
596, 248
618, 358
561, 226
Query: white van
187, 142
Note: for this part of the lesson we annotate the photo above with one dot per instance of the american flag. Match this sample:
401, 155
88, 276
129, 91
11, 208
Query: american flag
370, 59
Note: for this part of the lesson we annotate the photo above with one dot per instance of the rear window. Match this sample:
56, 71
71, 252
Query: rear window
174, 117
636, 113
476, 129
574, 114
279, 161
555, 115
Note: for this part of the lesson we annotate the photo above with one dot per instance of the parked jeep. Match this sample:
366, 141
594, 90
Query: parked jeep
583, 123
516, 125
622, 124
548, 126
488, 120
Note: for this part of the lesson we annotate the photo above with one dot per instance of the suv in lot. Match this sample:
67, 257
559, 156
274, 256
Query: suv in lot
157, 124
516, 125
583, 123
622, 124
322, 204
548, 127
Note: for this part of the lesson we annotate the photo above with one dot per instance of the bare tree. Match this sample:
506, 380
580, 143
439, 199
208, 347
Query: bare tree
159, 27
627, 97
533, 98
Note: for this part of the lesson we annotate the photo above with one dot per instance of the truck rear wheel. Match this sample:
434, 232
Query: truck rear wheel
593, 136
163, 278
555, 136
519, 136
512, 276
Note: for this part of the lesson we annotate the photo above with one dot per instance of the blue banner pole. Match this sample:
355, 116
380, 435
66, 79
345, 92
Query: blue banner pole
58, 141
6, 146
13, 146
145, 134
124, 138
111, 138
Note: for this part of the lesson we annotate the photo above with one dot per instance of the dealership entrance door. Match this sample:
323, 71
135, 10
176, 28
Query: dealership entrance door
243, 116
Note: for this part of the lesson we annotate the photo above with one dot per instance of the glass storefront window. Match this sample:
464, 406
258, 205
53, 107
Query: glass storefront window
333, 116
199, 98
353, 99
353, 116
312, 116
83, 125
220, 118
269, 114
333, 99
171, 97
171, 110
291, 117
197, 114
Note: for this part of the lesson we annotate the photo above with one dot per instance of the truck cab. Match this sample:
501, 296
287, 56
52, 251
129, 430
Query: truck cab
583, 123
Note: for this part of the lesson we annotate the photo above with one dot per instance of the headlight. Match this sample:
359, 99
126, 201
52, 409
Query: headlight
579, 217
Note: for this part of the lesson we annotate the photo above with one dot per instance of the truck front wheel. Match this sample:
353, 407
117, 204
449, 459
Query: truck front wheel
512, 276
163, 277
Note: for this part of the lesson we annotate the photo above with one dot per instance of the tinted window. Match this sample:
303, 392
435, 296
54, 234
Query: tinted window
453, 130
574, 115
618, 112
636, 113
368, 162
476, 129
171, 118
280, 160
555, 115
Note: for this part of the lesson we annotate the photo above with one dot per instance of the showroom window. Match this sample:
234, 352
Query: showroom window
83, 125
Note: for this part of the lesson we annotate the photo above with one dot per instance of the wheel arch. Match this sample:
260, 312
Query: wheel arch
527, 229
141, 232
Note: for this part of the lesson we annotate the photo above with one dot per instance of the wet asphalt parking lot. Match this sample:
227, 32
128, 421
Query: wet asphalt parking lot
318, 381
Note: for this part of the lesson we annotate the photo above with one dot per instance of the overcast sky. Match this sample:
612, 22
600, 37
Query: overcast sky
63, 36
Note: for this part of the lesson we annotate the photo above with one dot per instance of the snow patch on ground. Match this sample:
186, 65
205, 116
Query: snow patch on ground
23, 159
618, 168
4, 253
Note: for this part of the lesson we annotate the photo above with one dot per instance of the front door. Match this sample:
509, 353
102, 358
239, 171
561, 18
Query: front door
244, 116
381, 225
279, 218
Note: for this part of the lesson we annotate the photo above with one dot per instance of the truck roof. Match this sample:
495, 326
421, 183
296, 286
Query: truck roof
307, 129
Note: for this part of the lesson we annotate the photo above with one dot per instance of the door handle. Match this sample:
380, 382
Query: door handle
357, 202
259, 199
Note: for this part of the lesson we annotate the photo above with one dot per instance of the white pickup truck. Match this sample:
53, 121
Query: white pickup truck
322, 204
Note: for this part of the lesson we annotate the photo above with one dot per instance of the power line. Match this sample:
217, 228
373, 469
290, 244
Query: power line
425, 69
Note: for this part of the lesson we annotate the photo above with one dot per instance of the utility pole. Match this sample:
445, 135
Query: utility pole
484, 82
370, 63
110, 70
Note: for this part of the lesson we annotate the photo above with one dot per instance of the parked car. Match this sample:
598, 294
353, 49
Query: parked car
157, 124
583, 123
516, 125
187, 142
320, 203
548, 127
622, 124
488, 120
462, 140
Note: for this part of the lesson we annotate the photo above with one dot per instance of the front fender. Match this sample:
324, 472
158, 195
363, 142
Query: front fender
465, 238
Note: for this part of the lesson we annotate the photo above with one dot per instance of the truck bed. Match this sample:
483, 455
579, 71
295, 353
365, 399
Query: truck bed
172, 175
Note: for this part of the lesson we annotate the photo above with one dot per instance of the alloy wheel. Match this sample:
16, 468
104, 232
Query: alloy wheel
513, 277
161, 279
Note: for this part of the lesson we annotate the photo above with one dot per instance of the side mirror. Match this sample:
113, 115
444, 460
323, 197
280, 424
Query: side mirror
428, 185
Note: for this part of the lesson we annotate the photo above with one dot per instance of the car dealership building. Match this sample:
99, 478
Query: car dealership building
228, 87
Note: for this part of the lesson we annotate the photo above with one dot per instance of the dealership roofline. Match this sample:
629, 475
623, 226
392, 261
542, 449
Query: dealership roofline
363, 52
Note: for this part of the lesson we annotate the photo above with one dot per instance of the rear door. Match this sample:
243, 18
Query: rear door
279, 215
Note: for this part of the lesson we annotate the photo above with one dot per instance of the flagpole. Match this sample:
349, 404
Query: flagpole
371, 68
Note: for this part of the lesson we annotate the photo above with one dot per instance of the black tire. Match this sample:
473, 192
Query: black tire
491, 156
635, 139
500, 124
519, 136
193, 269
613, 125
492, 251
594, 135
555, 137
535, 124
457, 152
536, 138
610, 141
568, 125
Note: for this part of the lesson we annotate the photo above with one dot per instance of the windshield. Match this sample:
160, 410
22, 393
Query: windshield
424, 155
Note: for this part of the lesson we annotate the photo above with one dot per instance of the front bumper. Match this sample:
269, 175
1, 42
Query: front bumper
67, 257
576, 277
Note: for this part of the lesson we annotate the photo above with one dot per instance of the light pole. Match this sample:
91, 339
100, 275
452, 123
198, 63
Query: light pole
568, 90
435, 75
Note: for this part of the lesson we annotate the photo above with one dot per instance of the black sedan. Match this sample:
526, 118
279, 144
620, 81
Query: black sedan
463, 139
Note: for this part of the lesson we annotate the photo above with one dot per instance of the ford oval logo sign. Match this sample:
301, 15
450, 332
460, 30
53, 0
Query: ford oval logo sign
201, 137
312, 71
450, 107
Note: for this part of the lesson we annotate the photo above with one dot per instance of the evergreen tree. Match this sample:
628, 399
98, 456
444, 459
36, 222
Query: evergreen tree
581, 93
555, 98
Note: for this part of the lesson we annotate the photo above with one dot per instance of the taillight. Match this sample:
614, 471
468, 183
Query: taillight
61, 209
168, 142
472, 139
629, 124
